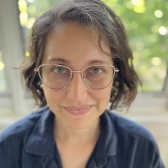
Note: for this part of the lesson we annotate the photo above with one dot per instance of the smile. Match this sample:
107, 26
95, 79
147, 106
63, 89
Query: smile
78, 110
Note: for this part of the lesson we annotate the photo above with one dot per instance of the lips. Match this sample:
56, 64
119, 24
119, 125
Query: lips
78, 110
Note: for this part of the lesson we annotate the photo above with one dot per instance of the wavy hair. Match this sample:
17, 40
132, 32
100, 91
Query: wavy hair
98, 16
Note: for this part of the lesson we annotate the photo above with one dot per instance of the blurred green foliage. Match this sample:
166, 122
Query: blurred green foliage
146, 23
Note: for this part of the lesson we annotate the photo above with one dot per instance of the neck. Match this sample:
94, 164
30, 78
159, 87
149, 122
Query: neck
76, 136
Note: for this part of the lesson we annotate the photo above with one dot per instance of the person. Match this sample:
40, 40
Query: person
79, 63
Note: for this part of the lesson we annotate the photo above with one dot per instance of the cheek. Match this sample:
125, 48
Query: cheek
53, 97
102, 97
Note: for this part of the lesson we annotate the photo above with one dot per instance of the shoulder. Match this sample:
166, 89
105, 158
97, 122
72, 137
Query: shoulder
133, 136
14, 138
22, 126
128, 127
134, 143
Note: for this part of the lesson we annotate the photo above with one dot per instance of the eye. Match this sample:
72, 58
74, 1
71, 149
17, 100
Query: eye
96, 70
59, 69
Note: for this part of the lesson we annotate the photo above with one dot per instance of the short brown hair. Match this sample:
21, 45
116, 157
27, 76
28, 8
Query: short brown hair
95, 15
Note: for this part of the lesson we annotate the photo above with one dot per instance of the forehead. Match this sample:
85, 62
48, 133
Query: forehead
75, 44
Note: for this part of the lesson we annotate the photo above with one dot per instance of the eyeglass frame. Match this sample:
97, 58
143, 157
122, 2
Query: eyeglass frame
83, 78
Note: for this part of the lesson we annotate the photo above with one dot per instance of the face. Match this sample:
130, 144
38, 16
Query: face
76, 47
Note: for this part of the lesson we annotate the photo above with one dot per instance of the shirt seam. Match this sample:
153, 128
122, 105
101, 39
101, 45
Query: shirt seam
130, 133
139, 136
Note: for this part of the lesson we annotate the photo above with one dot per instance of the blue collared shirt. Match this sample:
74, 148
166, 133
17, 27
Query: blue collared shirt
29, 143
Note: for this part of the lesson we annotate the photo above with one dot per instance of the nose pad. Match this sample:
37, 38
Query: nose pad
84, 78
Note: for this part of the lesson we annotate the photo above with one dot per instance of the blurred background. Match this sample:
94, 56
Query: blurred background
146, 23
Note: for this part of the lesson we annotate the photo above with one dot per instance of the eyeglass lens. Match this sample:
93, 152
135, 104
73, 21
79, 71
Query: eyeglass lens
58, 76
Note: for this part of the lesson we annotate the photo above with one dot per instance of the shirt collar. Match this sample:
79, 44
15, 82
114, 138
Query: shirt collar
41, 137
41, 141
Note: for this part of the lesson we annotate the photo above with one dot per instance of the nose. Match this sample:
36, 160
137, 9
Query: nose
77, 91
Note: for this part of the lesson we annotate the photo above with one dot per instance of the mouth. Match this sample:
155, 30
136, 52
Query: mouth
78, 110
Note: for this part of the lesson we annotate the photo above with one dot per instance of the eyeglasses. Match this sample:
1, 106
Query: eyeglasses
59, 76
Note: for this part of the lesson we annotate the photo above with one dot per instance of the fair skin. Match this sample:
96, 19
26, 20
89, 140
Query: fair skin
75, 135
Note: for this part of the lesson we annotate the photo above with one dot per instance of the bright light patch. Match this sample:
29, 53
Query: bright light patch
23, 18
22, 6
139, 9
162, 30
156, 61
22, 3
158, 13
30, 22
130, 61
139, 6
23, 9
27, 54
2, 65
30, 0
137, 2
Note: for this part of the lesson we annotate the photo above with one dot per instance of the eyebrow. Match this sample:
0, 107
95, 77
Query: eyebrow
59, 60
97, 62
68, 62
